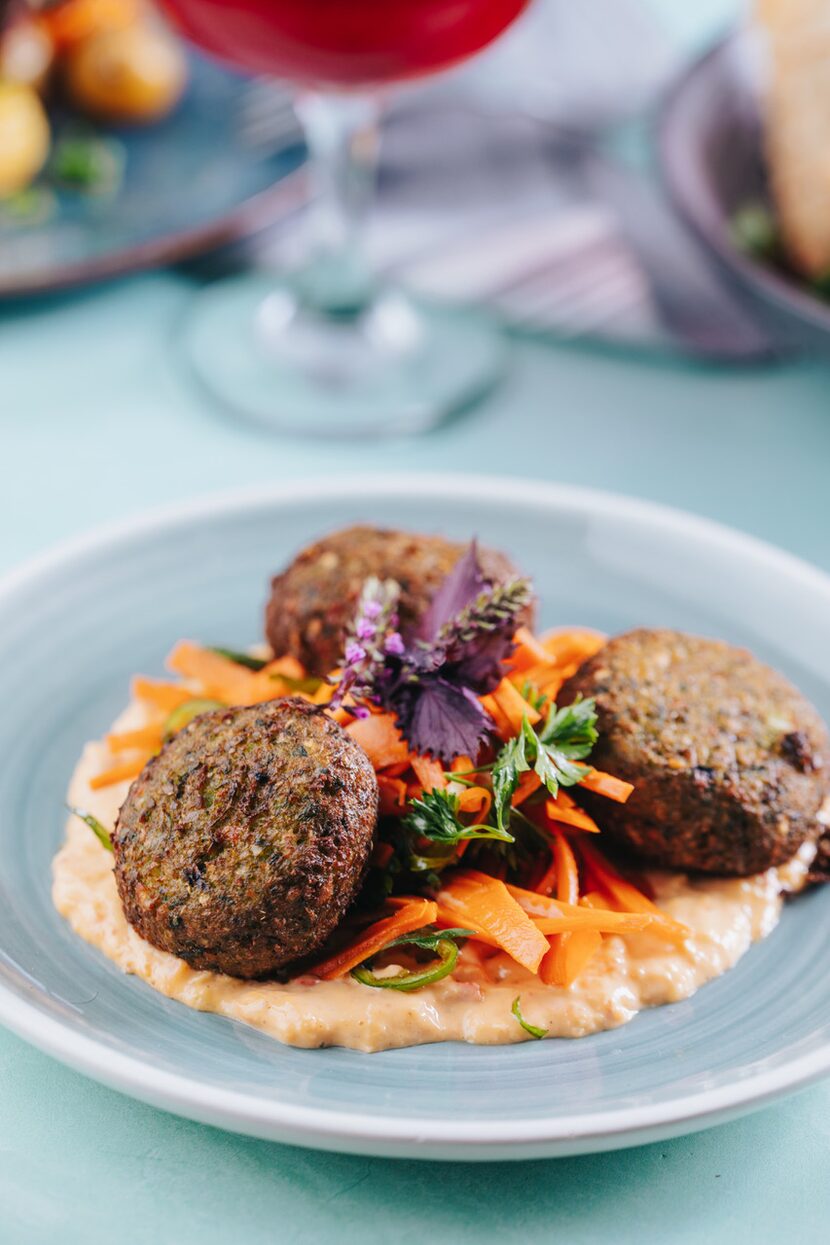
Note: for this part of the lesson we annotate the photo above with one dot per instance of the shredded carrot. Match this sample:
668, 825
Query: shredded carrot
218, 676
164, 696
409, 916
476, 800
529, 782
380, 739
503, 728
119, 772
569, 955
488, 905
392, 795
462, 765
558, 914
430, 773
607, 785
628, 897
145, 739
567, 871
528, 653
514, 706
559, 964
571, 644
564, 809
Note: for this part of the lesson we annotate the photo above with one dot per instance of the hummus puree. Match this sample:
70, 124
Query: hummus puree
726, 916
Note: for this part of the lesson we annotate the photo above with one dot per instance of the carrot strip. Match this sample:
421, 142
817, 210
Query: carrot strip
430, 773
575, 644
165, 696
565, 809
561, 965
606, 922
380, 739
410, 916
554, 916
514, 706
529, 782
607, 785
568, 956
567, 871
476, 800
218, 676
462, 765
629, 898
146, 739
486, 903
529, 652
392, 795
119, 773
503, 728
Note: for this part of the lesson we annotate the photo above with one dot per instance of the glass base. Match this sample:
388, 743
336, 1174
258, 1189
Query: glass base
395, 367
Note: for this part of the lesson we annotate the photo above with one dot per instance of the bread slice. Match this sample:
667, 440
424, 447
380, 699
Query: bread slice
797, 125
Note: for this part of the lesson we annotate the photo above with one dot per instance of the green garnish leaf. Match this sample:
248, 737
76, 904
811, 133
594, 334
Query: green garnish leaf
428, 939
435, 817
88, 162
509, 764
184, 714
567, 736
533, 1030
239, 658
100, 832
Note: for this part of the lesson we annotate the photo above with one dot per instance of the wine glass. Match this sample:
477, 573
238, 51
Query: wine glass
330, 349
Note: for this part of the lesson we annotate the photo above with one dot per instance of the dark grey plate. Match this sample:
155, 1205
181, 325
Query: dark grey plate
224, 165
710, 150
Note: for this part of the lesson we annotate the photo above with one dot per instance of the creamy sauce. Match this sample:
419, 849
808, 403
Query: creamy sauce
726, 916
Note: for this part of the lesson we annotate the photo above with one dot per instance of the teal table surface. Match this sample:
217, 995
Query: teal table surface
98, 421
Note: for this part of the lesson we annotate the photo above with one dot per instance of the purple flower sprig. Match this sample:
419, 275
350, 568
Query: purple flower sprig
432, 678
371, 639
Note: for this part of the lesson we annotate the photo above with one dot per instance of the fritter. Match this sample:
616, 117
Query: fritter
242, 844
313, 601
730, 763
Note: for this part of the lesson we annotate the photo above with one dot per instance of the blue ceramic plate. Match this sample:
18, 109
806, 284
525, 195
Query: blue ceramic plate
75, 626
225, 164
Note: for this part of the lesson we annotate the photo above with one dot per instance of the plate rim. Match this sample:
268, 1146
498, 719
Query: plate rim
784, 293
434, 1136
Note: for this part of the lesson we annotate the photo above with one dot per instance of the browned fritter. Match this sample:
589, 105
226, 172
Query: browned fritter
241, 845
313, 600
730, 763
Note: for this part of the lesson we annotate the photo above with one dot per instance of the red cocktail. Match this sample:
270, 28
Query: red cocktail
344, 43
329, 349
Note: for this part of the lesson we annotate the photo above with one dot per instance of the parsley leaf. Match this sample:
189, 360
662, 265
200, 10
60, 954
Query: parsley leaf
509, 764
568, 735
435, 817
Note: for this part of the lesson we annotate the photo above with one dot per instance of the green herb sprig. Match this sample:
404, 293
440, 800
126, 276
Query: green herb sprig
534, 1030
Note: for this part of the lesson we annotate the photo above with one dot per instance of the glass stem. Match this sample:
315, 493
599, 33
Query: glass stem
342, 134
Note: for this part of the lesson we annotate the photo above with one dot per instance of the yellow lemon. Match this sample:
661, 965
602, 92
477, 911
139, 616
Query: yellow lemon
24, 137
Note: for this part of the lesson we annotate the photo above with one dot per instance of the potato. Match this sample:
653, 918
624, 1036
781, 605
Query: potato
136, 74
24, 137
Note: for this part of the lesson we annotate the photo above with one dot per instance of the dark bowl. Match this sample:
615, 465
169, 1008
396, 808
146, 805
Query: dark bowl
710, 152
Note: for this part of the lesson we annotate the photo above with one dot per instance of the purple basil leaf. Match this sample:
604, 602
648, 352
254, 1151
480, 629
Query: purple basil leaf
478, 663
441, 719
461, 587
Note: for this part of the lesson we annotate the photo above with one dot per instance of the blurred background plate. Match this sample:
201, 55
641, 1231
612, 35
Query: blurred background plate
113, 604
224, 165
710, 148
